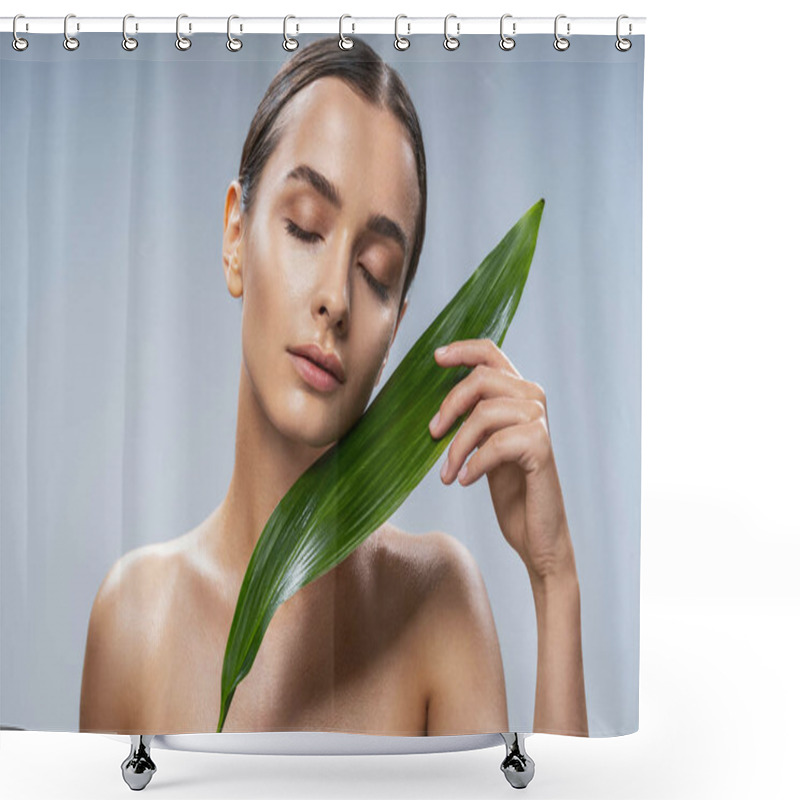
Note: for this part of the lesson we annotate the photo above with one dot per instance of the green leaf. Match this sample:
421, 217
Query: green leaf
357, 484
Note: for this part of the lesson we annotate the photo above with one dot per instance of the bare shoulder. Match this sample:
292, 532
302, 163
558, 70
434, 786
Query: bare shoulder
120, 628
407, 568
429, 551
458, 652
436, 562
408, 559
133, 574
136, 582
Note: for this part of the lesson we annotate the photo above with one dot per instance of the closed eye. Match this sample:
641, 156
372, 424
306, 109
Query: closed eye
380, 289
299, 233
306, 236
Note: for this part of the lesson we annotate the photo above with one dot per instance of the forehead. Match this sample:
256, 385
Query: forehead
365, 151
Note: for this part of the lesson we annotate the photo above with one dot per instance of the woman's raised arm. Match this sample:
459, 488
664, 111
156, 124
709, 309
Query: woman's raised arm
560, 694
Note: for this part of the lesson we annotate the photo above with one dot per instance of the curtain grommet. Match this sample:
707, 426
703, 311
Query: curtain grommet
507, 42
623, 45
345, 42
289, 43
129, 43
400, 42
18, 43
233, 44
181, 42
561, 43
451, 42
70, 42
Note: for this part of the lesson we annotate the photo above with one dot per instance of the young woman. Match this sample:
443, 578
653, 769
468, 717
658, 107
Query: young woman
322, 235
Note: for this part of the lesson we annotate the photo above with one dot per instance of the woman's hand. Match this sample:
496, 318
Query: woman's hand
508, 424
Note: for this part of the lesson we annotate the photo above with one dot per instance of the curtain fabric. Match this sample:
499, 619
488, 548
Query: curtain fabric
128, 359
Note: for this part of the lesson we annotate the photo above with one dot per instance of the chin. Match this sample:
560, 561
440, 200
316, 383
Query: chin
313, 419
313, 427
314, 436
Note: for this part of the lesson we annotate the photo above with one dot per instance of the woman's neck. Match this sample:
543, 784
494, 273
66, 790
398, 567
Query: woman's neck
265, 467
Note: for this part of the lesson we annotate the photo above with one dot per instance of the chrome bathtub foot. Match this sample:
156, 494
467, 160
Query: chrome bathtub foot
138, 767
517, 766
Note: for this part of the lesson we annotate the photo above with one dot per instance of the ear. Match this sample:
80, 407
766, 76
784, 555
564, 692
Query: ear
396, 326
232, 240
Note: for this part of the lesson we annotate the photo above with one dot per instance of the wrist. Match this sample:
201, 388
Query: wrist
557, 572
556, 598
561, 582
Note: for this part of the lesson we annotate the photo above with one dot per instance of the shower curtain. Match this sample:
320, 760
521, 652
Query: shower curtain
214, 261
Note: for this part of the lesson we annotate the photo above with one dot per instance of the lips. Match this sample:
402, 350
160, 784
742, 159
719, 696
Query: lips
328, 361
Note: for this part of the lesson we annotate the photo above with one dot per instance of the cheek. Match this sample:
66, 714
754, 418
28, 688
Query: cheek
273, 279
262, 308
283, 267
370, 349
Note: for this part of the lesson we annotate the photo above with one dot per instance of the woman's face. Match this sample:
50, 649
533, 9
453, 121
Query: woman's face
322, 257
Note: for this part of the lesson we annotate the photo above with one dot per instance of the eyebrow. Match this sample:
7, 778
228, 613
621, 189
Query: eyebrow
377, 223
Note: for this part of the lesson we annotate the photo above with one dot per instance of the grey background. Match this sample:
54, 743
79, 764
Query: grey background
120, 346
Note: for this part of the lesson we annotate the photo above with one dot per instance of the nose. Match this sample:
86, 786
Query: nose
332, 295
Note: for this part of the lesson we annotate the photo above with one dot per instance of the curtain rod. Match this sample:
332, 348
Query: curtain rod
407, 26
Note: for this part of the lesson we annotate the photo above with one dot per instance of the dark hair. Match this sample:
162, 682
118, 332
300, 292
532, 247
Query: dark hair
368, 74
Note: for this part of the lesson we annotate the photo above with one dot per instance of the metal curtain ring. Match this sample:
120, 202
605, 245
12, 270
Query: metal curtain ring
18, 43
70, 42
233, 44
451, 42
560, 42
181, 42
128, 42
345, 42
506, 42
623, 44
288, 42
400, 42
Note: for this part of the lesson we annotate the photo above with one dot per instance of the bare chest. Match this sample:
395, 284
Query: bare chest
344, 668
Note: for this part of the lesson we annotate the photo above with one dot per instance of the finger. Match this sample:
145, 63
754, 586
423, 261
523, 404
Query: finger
483, 382
472, 352
487, 417
527, 445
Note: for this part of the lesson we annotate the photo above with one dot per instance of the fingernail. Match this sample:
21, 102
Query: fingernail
445, 467
440, 351
463, 473
435, 421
